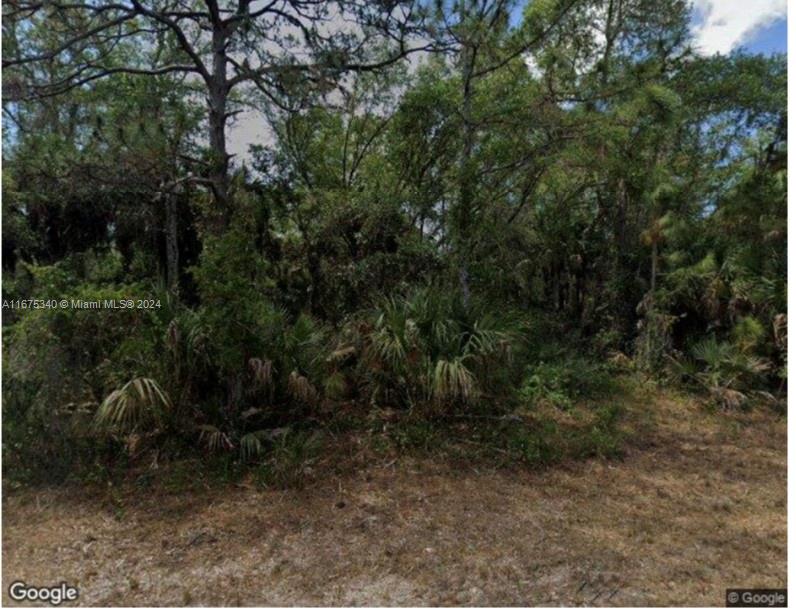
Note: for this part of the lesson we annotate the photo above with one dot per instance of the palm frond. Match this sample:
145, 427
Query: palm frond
250, 446
262, 371
214, 439
451, 381
139, 402
301, 389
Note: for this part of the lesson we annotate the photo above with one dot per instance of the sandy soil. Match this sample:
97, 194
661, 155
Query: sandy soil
697, 505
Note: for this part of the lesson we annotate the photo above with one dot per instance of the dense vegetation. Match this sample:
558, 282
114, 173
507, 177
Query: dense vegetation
466, 222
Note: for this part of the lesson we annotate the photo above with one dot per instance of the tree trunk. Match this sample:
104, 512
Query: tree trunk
654, 271
218, 91
466, 188
172, 250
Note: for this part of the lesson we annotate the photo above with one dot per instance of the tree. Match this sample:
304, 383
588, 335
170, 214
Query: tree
278, 47
483, 44
105, 168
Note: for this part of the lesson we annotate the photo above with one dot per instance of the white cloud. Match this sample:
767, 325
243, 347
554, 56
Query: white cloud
722, 25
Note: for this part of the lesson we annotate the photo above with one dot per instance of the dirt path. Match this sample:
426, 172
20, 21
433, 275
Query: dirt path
701, 507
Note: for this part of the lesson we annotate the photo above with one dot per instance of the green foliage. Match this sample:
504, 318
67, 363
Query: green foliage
139, 403
747, 334
292, 460
429, 351
561, 383
480, 240
416, 434
542, 445
232, 281
63, 366
725, 371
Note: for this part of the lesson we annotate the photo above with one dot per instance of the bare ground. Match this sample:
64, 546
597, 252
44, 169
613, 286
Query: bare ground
697, 505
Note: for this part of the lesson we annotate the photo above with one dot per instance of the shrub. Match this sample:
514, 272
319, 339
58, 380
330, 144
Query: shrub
60, 363
427, 350
562, 382
723, 370
292, 459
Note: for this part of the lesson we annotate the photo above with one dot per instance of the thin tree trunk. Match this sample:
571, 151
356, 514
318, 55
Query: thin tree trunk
172, 250
466, 187
654, 272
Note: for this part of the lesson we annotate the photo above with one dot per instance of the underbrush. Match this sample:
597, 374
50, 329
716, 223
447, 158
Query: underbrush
730, 376
334, 449
562, 382
246, 384
521, 431
541, 437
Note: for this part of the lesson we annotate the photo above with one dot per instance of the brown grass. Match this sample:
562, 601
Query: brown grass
697, 505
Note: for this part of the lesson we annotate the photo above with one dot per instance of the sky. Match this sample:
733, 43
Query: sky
719, 26
769, 39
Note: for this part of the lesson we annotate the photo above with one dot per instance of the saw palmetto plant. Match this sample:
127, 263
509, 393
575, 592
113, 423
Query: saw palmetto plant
140, 404
426, 348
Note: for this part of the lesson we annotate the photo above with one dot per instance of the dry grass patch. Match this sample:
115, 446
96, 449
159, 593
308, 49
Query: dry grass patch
697, 505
